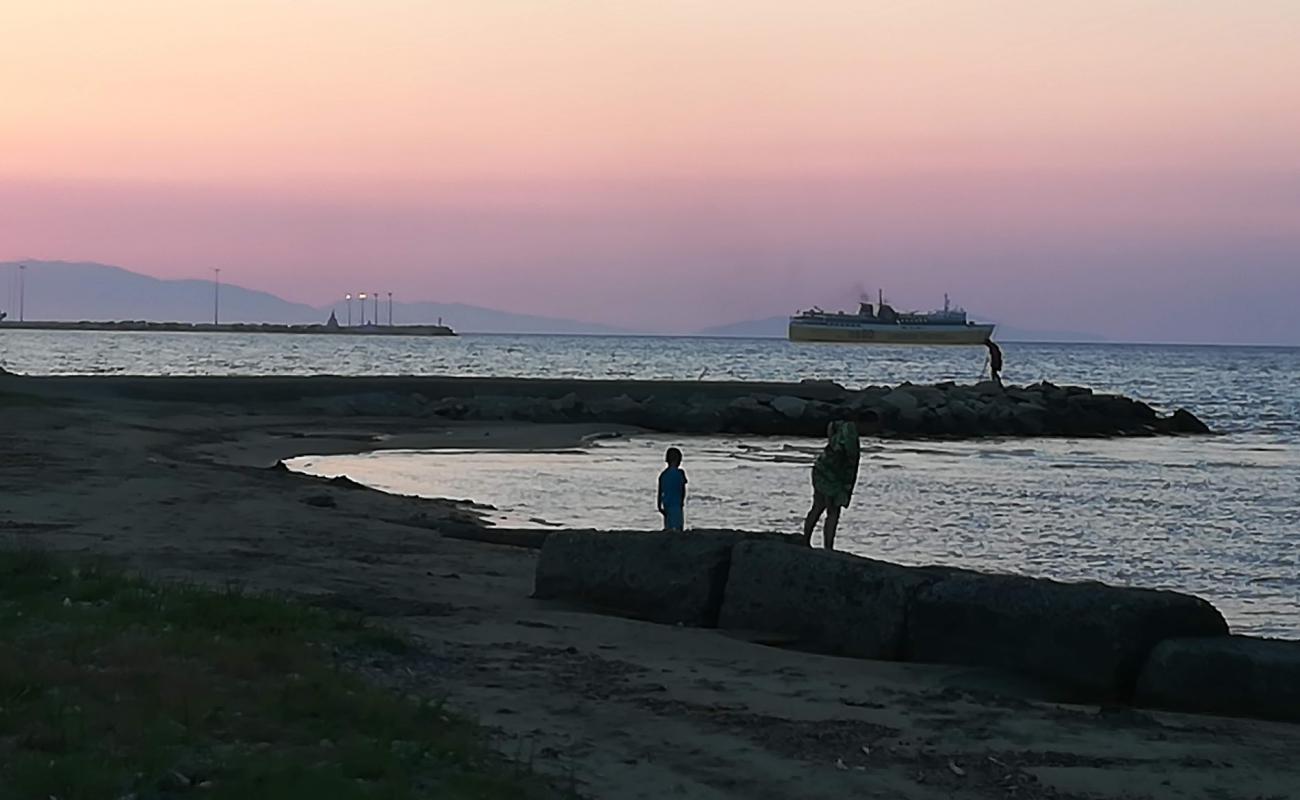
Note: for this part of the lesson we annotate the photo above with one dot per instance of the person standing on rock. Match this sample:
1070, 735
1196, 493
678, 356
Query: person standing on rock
672, 491
995, 361
834, 475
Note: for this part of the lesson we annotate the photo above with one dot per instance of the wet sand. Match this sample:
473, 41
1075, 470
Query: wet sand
182, 490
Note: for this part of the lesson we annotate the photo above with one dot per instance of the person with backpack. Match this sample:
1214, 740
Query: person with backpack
834, 476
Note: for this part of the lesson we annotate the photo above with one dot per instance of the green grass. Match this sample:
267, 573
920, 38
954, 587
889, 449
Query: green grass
113, 687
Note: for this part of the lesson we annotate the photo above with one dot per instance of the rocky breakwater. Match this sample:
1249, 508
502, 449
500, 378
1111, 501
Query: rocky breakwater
670, 578
1233, 675
1085, 642
942, 410
704, 407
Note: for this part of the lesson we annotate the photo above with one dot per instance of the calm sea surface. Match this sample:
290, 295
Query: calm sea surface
1217, 516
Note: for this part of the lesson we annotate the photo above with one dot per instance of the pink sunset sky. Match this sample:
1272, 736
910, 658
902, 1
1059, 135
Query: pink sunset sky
1121, 167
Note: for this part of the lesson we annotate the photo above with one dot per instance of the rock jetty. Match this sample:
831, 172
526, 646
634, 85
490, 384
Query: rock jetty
941, 410
1082, 642
948, 410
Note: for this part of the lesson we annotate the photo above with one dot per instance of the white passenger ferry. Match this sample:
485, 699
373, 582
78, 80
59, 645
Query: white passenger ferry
883, 325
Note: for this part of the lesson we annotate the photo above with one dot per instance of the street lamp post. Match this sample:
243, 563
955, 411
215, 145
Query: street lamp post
376, 295
216, 296
348, 296
22, 291
390, 309
362, 297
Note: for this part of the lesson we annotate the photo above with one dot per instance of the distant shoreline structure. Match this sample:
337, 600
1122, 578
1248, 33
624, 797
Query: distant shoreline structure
140, 326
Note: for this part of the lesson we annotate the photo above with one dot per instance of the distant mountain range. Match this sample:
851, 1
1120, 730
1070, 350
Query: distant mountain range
63, 291
775, 328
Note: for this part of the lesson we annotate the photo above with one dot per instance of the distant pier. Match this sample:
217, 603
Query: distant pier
139, 326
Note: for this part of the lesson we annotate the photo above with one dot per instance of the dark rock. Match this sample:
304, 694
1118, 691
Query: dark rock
865, 400
662, 414
958, 418
702, 415
822, 382
567, 405
1182, 421
1231, 675
615, 409
748, 404
344, 482
661, 577
902, 401
1031, 396
817, 415
450, 408
320, 500
927, 396
830, 602
1087, 638
789, 407
750, 415
1030, 419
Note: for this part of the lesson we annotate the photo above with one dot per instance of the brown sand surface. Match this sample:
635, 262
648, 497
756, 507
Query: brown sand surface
181, 490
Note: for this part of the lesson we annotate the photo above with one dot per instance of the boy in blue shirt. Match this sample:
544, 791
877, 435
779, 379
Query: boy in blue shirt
672, 491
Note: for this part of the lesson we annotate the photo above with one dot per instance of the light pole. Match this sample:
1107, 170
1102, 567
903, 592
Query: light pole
216, 295
390, 309
349, 299
362, 298
376, 294
22, 291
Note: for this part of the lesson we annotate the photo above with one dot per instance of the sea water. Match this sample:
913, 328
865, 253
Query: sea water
1218, 516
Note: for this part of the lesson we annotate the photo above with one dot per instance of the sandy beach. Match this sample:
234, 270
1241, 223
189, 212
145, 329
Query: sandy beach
187, 490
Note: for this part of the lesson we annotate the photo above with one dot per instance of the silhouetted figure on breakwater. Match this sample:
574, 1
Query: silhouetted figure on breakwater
834, 475
995, 361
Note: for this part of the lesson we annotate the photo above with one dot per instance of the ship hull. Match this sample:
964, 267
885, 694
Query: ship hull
891, 334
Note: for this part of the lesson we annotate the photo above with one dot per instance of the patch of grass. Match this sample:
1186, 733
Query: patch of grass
113, 687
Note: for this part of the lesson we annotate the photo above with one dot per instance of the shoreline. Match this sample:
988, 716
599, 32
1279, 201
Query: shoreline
182, 490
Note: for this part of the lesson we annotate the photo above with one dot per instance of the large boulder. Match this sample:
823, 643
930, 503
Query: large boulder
747, 406
570, 405
926, 396
1030, 419
825, 601
1232, 675
660, 577
1182, 421
902, 401
1088, 639
959, 418
703, 414
789, 407
751, 414
614, 409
